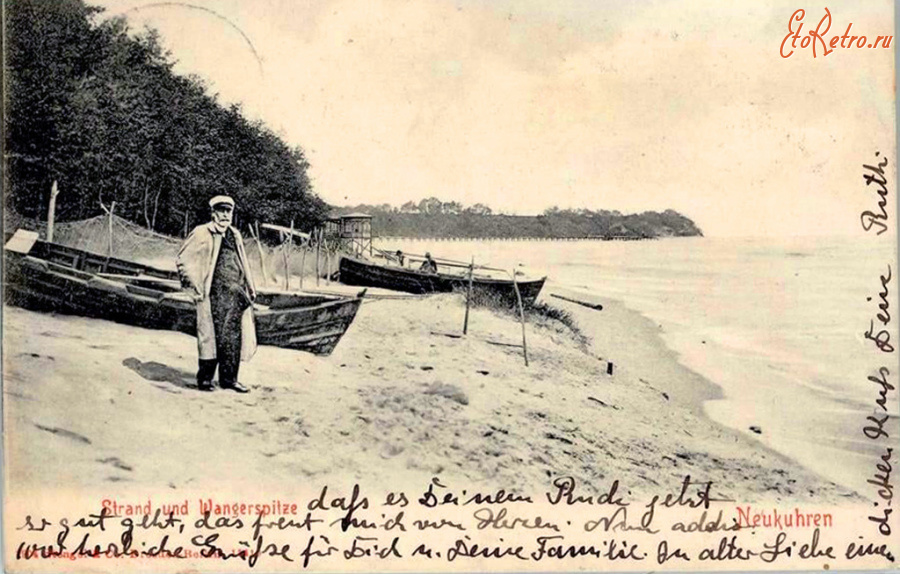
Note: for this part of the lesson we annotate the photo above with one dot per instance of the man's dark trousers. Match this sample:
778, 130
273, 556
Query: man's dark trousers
229, 300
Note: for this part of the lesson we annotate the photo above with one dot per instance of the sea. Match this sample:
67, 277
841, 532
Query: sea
778, 323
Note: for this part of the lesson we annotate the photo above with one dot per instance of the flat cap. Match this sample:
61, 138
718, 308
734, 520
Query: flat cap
220, 199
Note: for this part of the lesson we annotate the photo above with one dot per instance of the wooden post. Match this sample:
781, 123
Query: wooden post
51, 211
303, 262
284, 258
521, 316
287, 264
262, 257
327, 263
109, 250
318, 245
185, 234
469, 296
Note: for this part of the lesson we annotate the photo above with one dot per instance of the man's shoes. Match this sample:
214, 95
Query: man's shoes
205, 386
236, 387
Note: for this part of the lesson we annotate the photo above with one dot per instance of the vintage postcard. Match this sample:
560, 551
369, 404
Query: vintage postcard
449, 285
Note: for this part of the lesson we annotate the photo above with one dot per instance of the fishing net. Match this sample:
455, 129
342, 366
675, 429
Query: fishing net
133, 242
120, 238
301, 262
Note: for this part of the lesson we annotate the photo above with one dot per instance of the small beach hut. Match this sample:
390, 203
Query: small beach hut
351, 232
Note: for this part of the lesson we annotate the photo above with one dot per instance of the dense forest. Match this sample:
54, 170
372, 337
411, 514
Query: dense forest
99, 110
433, 218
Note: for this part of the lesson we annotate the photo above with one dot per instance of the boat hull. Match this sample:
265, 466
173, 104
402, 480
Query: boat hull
362, 273
65, 280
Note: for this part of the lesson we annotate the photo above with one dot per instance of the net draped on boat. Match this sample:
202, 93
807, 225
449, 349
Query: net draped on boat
134, 242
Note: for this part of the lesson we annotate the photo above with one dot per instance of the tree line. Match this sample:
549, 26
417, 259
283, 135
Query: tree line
432, 217
99, 109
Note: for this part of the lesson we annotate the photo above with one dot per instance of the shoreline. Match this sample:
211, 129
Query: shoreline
704, 394
93, 404
694, 392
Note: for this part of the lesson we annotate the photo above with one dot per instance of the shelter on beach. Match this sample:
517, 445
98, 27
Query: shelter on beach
352, 233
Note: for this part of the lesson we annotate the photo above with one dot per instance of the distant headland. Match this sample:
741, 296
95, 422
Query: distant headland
434, 219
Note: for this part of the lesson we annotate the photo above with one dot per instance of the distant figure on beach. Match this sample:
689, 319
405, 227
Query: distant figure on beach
213, 267
400, 258
429, 265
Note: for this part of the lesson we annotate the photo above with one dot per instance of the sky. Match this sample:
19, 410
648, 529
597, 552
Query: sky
523, 105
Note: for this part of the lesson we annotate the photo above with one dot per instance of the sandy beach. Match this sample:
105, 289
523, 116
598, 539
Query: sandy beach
92, 404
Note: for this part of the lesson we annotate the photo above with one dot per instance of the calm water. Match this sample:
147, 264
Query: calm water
777, 323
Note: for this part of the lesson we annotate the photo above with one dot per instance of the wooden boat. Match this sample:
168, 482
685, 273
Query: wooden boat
365, 273
56, 278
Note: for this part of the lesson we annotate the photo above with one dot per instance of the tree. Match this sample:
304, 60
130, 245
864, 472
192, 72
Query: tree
451, 207
48, 49
100, 110
551, 211
431, 206
479, 209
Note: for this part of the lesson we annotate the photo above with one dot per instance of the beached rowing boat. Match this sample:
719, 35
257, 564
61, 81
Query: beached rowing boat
365, 273
56, 278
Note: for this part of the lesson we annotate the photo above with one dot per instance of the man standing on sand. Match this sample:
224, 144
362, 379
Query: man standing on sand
213, 267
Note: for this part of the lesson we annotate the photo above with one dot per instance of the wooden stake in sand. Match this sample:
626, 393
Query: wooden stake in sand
521, 316
469, 296
51, 211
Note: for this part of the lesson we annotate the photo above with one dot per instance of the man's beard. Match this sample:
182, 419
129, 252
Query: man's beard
222, 225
